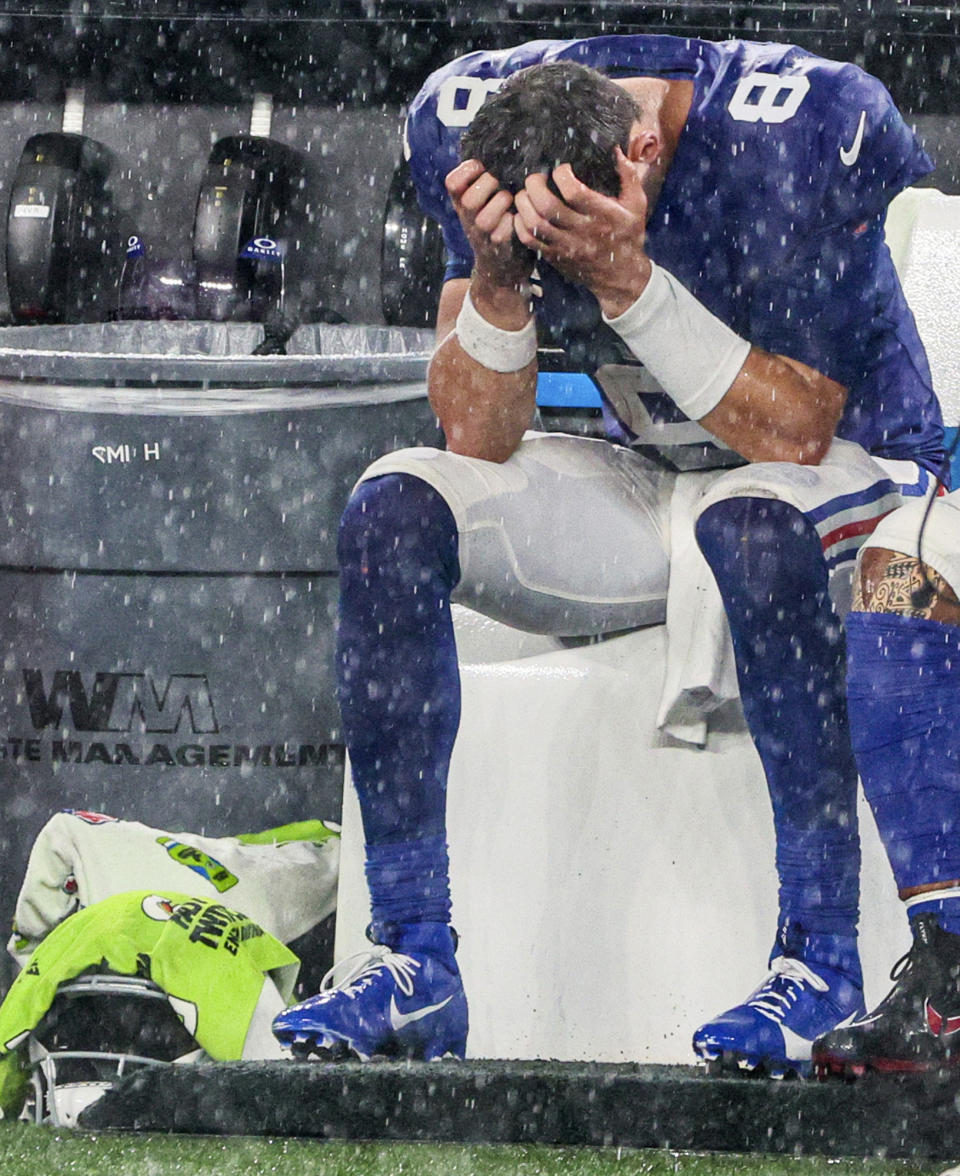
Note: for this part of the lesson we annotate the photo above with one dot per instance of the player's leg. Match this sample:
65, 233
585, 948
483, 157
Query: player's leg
399, 696
904, 699
563, 538
764, 531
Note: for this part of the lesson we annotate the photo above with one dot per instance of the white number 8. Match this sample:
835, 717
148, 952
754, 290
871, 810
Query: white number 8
768, 98
460, 98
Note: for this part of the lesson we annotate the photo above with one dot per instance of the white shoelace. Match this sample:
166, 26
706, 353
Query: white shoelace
775, 1002
354, 973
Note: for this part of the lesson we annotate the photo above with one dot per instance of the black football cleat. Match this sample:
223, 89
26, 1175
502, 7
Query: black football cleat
916, 1028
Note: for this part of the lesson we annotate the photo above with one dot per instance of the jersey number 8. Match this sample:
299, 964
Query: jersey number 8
767, 97
461, 97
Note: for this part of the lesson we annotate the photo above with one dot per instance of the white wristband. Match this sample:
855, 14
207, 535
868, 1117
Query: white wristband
495, 348
691, 354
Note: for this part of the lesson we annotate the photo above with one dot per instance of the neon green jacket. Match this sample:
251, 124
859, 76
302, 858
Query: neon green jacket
204, 954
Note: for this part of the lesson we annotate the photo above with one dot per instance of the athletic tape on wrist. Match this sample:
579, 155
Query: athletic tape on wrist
495, 348
691, 354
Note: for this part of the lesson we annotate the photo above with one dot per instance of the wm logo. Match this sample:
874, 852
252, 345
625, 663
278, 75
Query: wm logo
121, 702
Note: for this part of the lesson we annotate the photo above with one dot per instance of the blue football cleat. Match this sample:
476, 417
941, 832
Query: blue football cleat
397, 1003
773, 1030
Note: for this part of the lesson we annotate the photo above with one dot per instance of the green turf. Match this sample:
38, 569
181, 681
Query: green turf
38, 1151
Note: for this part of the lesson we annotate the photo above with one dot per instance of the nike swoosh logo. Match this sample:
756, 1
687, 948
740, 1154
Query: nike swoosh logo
798, 1048
850, 155
398, 1019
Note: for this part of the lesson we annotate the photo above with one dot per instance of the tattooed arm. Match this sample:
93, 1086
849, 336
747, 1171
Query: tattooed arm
892, 582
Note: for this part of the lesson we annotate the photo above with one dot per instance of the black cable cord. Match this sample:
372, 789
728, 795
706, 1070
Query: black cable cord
923, 597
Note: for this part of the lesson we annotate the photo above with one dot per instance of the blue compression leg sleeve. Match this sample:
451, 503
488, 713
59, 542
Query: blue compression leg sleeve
904, 695
399, 687
789, 648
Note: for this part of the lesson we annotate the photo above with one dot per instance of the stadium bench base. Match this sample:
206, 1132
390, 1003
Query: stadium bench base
577, 1103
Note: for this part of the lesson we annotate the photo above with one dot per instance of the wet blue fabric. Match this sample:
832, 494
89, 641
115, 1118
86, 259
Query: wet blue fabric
788, 641
838, 953
409, 882
399, 686
904, 698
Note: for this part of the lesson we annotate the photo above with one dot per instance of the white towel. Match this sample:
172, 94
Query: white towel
700, 673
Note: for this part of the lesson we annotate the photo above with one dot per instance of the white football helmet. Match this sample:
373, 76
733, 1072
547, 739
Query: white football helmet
100, 1027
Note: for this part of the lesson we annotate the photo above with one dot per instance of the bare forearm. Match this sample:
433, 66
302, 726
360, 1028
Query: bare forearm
765, 406
778, 409
483, 414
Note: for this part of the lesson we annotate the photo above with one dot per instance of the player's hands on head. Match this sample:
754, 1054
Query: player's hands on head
591, 238
486, 211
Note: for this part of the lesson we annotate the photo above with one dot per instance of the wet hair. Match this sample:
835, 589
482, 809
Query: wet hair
545, 115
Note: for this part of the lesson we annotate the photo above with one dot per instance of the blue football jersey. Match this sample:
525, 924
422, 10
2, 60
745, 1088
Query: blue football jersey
771, 214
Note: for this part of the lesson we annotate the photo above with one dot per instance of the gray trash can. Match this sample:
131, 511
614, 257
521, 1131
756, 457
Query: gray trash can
169, 508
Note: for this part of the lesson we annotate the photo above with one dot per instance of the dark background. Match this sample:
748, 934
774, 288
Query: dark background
370, 53
164, 79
